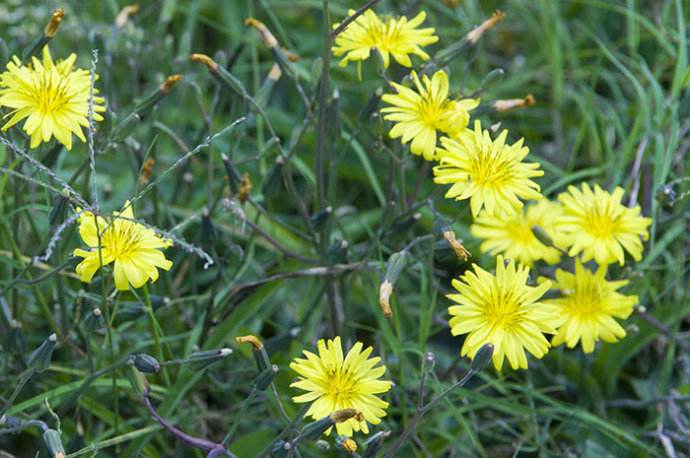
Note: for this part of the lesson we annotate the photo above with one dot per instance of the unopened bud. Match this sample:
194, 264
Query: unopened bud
52, 27
319, 219
136, 379
94, 321
40, 358
258, 350
146, 363
206, 60
314, 430
250, 339
170, 82
373, 444
456, 245
385, 292
482, 358
542, 236
202, 359
265, 377
281, 449
347, 444
640, 308
245, 188
53, 442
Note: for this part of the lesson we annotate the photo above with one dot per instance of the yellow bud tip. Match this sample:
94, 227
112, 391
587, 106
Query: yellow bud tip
476, 33
55, 20
385, 292
349, 445
206, 60
265, 34
456, 245
250, 339
123, 16
245, 188
291, 56
170, 82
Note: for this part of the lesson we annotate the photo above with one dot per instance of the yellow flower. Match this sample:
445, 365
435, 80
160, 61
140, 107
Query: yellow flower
596, 224
52, 97
397, 37
132, 247
589, 304
419, 114
488, 172
334, 382
502, 310
512, 234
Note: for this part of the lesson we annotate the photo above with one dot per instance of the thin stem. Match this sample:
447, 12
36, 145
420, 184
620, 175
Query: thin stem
155, 328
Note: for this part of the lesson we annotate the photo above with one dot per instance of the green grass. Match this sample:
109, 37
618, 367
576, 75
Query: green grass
611, 84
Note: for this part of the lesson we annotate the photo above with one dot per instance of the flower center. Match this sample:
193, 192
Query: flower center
603, 221
121, 242
503, 310
341, 385
489, 168
585, 302
49, 92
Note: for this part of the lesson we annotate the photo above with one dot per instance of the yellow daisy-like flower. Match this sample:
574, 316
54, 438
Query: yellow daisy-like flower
488, 172
512, 234
596, 224
396, 37
589, 304
419, 114
502, 310
133, 248
52, 97
334, 382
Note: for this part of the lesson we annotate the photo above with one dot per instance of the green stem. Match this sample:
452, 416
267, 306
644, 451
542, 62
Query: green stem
156, 329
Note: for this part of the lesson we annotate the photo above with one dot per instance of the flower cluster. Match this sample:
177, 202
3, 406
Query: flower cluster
513, 219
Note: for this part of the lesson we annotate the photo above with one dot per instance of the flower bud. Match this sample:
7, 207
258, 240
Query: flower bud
482, 358
202, 359
94, 320
123, 16
460, 251
125, 127
53, 442
52, 27
281, 449
136, 379
385, 291
510, 104
272, 185
347, 444
258, 350
319, 219
232, 173
265, 377
146, 363
39, 360
542, 236
338, 251
373, 444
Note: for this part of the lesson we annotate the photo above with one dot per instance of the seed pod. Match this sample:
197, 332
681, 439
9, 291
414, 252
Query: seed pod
53, 442
482, 358
202, 359
40, 358
265, 377
146, 363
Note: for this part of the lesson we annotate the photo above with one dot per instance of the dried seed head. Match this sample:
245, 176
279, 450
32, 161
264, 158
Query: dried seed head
123, 16
510, 104
52, 27
265, 34
456, 245
385, 292
476, 33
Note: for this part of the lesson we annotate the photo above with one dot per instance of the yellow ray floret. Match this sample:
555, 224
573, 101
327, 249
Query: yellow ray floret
596, 224
133, 248
590, 305
502, 310
512, 234
419, 114
489, 172
397, 37
334, 382
52, 97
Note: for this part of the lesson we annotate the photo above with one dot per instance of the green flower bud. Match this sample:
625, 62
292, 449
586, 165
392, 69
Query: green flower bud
54, 444
146, 363
482, 358
265, 377
40, 358
202, 359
